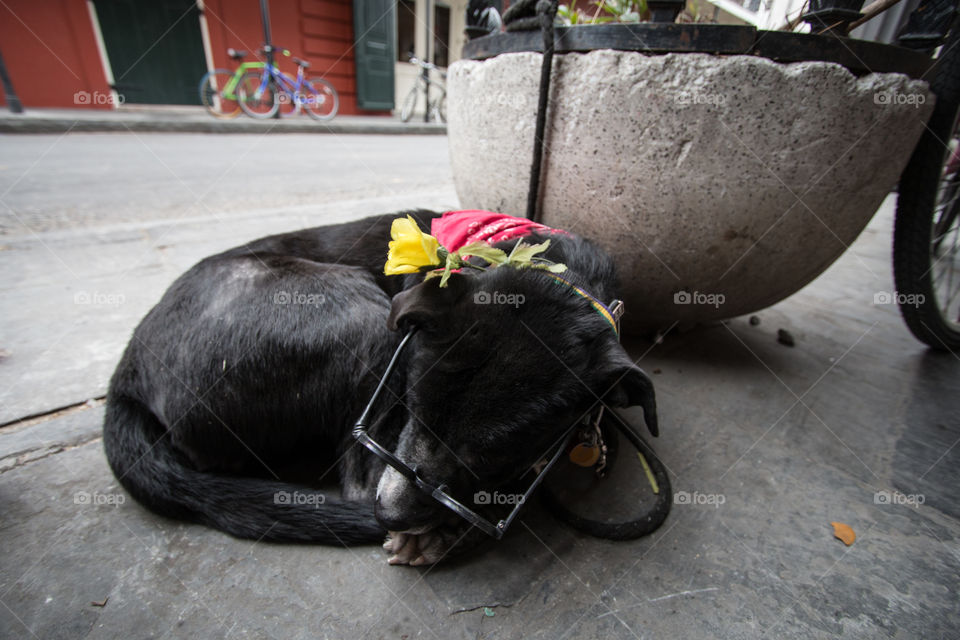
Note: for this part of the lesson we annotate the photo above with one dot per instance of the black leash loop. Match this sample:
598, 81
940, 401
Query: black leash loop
528, 15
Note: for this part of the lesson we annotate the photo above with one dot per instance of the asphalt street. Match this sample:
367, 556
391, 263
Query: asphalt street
84, 181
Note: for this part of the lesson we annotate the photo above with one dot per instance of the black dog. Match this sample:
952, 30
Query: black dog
238, 390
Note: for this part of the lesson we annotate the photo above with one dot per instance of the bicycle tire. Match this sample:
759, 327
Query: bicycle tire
919, 261
211, 94
287, 104
442, 108
324, 104
409, 104
259, 107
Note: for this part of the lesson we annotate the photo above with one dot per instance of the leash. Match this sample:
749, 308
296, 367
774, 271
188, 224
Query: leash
596, 448
528, 15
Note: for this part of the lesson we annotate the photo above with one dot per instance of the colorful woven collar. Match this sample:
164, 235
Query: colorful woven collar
611, 314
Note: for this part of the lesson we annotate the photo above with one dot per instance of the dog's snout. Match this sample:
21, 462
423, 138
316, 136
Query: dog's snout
400, 506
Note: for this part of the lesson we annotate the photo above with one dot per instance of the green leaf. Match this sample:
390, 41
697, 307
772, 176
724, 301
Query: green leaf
483, 250
444, 278
524, 253
557, 268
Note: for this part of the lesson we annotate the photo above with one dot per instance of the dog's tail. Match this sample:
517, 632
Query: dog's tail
141, 456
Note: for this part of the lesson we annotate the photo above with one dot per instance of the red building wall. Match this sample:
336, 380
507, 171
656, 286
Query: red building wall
319, 31
51, 53
50, 48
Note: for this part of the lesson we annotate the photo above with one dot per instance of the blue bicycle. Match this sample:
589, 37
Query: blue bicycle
262, 93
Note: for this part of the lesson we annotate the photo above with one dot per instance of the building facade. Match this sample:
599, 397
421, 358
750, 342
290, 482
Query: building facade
108, 53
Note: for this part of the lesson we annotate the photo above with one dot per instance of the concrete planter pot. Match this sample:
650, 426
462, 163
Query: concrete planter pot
721, 184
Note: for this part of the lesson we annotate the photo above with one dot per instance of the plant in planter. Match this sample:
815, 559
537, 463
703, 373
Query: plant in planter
604, 11
723, 167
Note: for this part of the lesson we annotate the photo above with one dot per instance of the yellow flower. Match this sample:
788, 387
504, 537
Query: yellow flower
411, 249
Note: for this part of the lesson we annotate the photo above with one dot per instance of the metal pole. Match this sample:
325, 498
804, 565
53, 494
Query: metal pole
426, 56
267, 41
265, 19
12, 100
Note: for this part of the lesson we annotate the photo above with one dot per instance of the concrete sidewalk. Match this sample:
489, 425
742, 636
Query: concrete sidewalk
857, 423
197, 120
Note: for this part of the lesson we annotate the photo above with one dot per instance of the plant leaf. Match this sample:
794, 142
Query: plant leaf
483, 250
524, 253
445, 277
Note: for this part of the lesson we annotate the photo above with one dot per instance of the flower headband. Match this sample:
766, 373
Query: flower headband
412, 250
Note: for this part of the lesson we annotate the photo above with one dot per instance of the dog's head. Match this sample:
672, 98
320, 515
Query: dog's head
504, 362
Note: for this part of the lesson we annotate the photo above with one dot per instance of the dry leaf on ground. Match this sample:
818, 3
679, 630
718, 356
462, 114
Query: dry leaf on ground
844, 532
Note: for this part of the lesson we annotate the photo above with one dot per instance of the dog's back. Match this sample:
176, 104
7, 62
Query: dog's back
249, 365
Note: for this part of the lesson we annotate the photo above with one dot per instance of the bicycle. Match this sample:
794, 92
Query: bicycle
218, 87
926, 241
436, 109
261, 93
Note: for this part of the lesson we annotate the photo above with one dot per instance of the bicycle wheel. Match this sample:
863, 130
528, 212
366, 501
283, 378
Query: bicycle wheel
322, 103
288, 104
926, 240
441, 108
212, 94
409, 104
255, 103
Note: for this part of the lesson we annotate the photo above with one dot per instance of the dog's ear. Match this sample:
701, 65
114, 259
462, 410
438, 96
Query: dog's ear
626, 385
425, 305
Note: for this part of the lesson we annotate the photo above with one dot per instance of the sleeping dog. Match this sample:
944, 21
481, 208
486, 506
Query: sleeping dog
233, 404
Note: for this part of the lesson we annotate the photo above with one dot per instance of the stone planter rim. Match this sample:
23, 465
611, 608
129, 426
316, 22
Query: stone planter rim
859, 56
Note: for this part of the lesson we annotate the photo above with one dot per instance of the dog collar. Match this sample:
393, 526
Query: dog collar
611, 314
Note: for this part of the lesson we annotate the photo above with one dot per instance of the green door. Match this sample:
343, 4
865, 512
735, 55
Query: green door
155, 49
374, 23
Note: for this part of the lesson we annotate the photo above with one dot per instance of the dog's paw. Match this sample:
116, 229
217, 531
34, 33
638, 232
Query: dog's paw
420, 549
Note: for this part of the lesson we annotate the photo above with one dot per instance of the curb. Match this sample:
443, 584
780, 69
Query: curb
27, 124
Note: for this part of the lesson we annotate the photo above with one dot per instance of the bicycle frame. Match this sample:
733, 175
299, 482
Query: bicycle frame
229, 91
292, 88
